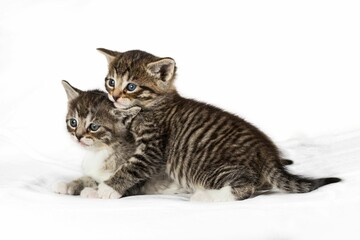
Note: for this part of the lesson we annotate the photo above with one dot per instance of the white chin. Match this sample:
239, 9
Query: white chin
84, 145
121, 106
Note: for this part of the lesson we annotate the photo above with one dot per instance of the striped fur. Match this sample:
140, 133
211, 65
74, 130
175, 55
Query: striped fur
112, 137
201, 146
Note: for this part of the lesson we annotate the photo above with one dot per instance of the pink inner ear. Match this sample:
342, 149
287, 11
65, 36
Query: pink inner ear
163, 69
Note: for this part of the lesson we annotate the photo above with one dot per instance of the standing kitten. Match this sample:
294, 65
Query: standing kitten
108, 143
216, 154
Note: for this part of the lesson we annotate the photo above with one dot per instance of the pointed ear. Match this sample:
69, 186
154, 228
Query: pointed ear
163, 69
110, 55
123, 113
71, 92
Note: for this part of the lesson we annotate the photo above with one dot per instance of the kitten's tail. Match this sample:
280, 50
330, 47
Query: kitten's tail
283, 180
286, 161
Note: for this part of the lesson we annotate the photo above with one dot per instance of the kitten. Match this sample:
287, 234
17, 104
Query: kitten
109, 145
215, 154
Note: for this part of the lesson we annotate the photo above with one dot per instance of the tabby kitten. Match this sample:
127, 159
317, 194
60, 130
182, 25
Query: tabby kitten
91, 122
215, 154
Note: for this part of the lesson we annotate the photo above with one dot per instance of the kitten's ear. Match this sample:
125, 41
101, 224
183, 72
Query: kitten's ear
71, 92
126, 113
110, 55
163, 69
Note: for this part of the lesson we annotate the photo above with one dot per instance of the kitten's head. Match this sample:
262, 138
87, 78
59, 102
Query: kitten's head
92, 119
137, 78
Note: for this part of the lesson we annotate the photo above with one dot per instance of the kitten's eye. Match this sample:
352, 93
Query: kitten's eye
131, 87
111, 83
73, 123
94, 127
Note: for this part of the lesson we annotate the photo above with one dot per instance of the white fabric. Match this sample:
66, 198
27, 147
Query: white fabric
289, 67
29, 208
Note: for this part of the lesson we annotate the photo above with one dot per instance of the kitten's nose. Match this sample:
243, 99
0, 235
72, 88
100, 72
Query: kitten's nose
116, 98
78, 136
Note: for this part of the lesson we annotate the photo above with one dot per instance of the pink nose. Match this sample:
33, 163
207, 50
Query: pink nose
116, 98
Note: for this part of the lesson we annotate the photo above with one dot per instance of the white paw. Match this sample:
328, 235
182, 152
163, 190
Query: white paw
62, 188
107, 192
89, 193
200, 196
213, 195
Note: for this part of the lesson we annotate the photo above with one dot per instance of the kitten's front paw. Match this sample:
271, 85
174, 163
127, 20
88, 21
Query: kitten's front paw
107, 192
60, 187
89, 193
63, 188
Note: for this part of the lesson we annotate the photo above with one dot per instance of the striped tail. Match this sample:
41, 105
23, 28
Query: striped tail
286, 161
283, 180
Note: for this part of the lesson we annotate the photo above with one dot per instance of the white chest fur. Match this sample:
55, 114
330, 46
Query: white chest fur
93, 164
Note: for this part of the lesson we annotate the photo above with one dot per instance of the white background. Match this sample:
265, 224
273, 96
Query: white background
289, 67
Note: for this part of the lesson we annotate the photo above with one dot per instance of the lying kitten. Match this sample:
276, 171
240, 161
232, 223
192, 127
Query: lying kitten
216, 154
108, 143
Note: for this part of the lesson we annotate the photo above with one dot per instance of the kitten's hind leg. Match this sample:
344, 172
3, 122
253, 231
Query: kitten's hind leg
264, 187
243, 192
240, 183
224, 194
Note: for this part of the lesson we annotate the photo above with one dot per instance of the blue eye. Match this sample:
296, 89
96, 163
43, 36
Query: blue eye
94, 127
111, 83
73, 123
131, 87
